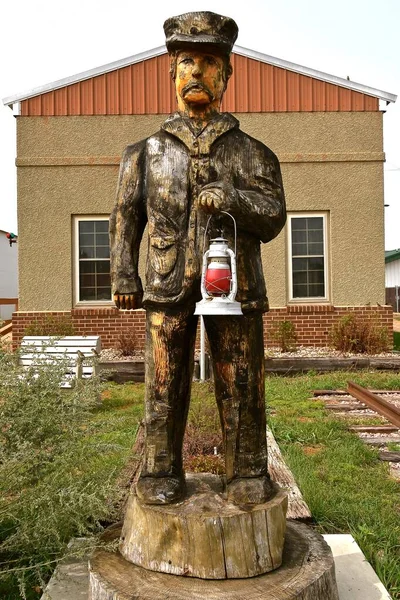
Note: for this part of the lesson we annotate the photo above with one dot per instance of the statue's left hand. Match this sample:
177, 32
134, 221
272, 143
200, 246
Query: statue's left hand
216, 197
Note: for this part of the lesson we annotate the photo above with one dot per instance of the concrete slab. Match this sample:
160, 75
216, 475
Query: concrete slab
355, 577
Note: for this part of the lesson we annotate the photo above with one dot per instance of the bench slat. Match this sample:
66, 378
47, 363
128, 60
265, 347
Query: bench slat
73, 350
55, 352
67, 342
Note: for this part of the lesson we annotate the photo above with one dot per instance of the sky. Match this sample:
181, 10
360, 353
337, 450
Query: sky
47, 40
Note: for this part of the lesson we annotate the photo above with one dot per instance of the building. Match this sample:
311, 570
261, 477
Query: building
326, 131
8, 277
392, 278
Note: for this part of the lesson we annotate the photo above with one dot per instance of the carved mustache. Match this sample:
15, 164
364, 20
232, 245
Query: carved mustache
198, 85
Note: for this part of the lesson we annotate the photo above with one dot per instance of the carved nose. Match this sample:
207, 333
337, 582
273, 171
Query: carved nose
196, 72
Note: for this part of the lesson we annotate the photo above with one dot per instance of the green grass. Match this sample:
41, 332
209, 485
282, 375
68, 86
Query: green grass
345, 485
393, 447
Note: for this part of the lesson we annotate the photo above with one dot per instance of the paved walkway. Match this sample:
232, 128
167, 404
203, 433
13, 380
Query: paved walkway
396, 322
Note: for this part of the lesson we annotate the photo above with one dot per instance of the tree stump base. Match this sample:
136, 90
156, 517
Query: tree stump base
206, 535
307, 573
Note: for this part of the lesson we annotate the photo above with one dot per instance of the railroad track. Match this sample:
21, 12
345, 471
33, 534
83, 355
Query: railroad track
358, 403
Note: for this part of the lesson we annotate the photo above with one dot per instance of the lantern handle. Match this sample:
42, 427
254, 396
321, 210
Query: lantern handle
206, 229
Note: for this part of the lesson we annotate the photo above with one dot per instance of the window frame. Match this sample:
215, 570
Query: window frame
310, 299
76, 300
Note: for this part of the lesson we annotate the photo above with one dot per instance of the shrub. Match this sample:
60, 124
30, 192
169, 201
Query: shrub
284, 334
48, 493
48, 324
127, 342
359, 335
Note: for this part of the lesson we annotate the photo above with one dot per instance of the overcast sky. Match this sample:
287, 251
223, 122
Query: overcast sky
46, 40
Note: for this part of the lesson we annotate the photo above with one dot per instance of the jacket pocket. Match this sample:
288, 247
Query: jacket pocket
163, 254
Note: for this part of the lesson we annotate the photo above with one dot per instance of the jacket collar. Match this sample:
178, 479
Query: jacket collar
178, 126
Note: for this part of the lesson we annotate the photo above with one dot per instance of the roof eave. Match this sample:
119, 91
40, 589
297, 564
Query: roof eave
246, 52
290, 66
60, 83
392, 258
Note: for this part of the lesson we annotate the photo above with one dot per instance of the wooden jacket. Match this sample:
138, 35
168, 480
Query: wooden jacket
159, 183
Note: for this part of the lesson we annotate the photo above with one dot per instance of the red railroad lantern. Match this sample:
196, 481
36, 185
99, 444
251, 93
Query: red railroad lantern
218, 280
218, 272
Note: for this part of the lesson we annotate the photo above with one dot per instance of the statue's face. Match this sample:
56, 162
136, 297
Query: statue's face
199, 78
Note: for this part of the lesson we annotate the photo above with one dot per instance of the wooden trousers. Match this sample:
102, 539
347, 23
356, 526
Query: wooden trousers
237, 352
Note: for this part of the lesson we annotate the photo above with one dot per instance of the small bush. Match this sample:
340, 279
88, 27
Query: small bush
47, 494
284, 334
127, 342
48, 324
359, 335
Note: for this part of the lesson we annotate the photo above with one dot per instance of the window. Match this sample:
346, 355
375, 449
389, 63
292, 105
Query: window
308, 256
92, 265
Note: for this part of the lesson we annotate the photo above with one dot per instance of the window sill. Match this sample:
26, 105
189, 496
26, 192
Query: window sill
100, 304
301, 301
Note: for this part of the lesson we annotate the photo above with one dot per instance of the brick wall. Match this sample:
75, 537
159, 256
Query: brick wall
108, 322
313, 323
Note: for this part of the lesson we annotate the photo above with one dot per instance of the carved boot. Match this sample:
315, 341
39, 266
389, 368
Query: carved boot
250, 490
161, 490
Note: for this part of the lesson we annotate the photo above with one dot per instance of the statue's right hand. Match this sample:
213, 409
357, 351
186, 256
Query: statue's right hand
128, 301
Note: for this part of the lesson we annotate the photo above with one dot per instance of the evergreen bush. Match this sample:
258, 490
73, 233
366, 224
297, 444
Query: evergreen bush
48, 494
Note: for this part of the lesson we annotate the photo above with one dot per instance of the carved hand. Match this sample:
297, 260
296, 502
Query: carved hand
128, 301
216, 197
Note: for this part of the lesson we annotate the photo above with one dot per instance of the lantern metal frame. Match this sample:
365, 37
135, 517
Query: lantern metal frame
224, 305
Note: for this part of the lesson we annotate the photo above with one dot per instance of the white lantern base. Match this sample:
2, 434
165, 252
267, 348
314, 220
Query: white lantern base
217, 305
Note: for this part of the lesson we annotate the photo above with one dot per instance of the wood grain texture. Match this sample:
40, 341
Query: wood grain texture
307, 573
281, 474
206, 536
389, 456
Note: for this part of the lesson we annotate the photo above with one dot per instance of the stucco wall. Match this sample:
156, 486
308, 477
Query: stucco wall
330, 162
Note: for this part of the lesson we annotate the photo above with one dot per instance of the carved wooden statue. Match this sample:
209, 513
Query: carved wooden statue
199, 163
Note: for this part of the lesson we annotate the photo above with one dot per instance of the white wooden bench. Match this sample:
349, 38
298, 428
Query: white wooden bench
78, 353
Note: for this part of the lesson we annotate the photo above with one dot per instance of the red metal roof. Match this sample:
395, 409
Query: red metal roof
146, 88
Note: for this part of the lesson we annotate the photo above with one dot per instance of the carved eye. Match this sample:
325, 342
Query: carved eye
211, 60
186, 61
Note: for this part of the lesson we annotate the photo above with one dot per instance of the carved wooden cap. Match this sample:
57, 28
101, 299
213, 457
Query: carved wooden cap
207, 28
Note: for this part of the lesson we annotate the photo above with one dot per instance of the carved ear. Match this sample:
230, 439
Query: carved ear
172, 65
228, 70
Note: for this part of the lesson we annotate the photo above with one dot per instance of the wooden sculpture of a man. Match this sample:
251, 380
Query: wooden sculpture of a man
199, 163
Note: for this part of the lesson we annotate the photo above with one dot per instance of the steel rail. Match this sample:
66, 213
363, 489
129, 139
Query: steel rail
378, 404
